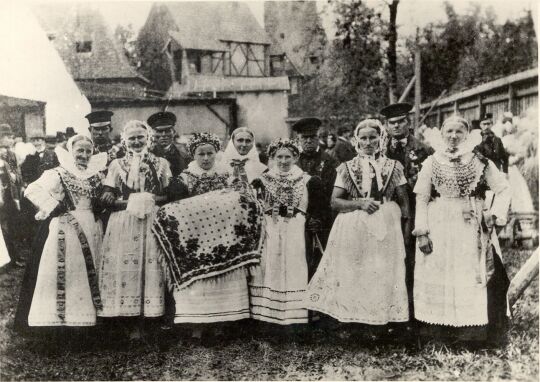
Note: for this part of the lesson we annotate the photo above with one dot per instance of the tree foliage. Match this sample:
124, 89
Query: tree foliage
351, 81
469, 49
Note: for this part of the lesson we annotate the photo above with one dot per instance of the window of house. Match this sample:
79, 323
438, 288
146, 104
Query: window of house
83, 46
314, 60
276, 65
194, 62
177, 62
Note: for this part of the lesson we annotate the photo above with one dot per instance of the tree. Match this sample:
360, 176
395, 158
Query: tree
472, 48
391, 51
351, 82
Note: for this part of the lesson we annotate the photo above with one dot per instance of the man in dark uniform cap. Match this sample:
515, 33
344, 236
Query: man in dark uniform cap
316, 162
491, 146
163, 124
100, 129
410, 152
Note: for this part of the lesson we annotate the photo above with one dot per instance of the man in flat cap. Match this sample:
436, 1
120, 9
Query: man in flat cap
100, 130
410, 152
162, 124
316, 162
491, 146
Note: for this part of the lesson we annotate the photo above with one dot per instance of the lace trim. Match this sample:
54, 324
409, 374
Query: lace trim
457, 180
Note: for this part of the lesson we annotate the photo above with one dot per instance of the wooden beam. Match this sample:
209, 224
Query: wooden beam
511, 99
523, 278
407, 89
225, 122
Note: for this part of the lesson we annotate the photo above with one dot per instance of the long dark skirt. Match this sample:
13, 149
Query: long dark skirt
498, 322
30, 277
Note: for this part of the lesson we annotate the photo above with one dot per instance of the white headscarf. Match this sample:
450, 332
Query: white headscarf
367, 160
96, 163
133, 177
253, 166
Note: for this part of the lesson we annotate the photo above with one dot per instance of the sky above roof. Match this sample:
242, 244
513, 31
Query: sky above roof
411, 13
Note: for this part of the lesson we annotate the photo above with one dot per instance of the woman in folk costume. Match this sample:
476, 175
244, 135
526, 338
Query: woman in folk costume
61, 286
241, 156
459, 281
223, 297
361, 277
130, 276
278, 285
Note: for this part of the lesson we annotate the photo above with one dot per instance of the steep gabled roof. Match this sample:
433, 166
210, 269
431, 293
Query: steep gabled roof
207, 24
66, 24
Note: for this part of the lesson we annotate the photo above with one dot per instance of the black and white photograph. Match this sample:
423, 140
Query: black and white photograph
269, 190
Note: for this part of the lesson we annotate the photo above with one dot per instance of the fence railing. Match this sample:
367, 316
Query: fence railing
514, 93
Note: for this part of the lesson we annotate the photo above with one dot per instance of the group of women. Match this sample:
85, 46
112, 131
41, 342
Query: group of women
83, 273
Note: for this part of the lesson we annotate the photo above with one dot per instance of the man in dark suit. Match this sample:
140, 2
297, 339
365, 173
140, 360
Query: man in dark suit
31, 169
10, 190
410, 152
343, 151
491, 146
314, 161
163, 124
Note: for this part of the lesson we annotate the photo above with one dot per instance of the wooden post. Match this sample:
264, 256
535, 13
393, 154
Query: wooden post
523, 278
511, 99
480, 106
417, 83
456, 107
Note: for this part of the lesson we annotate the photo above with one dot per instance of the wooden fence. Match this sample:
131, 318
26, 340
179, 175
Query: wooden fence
514, 93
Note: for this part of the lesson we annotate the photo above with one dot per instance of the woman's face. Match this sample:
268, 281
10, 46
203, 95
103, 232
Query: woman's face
368, 140
82, 152
284, 159
135, 138
454, 134
243, 142
205, 155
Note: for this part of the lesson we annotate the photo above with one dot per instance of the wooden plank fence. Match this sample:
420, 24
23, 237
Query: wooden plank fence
514, 93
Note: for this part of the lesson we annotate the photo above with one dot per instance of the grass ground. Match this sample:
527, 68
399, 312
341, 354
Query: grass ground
263, 353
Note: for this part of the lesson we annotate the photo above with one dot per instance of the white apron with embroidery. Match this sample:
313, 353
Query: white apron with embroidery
361, 277
131, 279
450, 283
45, 193
279, 284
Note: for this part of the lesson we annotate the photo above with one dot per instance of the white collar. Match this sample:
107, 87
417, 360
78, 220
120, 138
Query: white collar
97, 163
294, 173
195, 169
